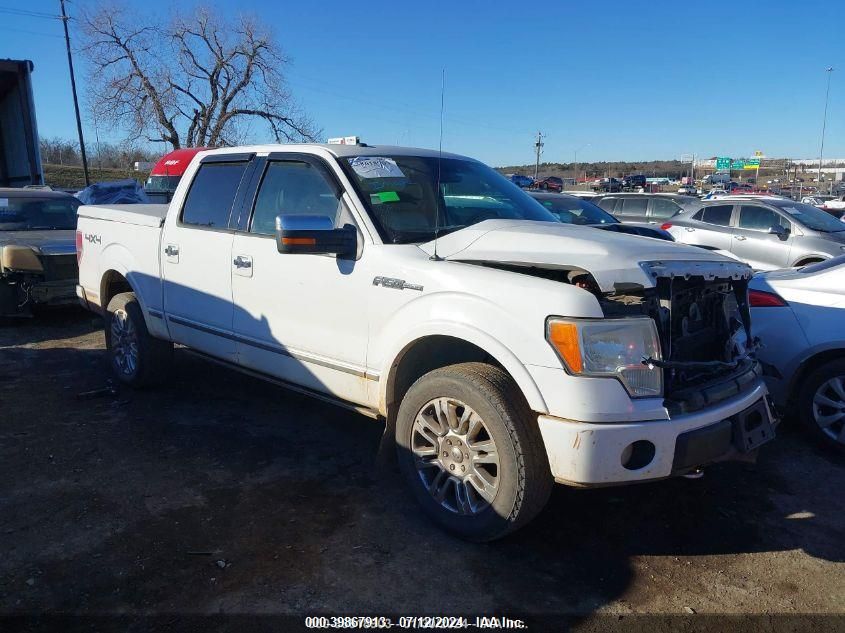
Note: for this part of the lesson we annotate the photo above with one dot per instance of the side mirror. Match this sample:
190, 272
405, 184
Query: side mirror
777, 229
314, 234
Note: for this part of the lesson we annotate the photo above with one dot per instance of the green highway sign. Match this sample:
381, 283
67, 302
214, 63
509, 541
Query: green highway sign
723, 163
738, 164
752, 163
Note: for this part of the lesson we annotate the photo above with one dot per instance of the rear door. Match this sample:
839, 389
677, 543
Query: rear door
633, 209
710, 227
196, 246
662, 209
608, 204
753, 243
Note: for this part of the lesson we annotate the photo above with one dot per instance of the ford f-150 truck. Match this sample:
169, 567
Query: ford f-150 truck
503, 349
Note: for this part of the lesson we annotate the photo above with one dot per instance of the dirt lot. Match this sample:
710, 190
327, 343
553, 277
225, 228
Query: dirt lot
222, 494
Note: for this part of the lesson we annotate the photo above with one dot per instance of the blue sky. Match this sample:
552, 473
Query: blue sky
628, 80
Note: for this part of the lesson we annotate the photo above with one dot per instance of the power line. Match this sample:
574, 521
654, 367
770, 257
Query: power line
29, 14
9, 28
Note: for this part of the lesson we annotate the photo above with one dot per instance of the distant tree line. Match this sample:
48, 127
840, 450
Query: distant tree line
59, 151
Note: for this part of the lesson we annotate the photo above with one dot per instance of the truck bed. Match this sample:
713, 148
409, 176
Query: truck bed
139, 214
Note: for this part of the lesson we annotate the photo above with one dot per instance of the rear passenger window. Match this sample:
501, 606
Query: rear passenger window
212, 194
717, 214
634, 206
607, 204
757, 218
663, 208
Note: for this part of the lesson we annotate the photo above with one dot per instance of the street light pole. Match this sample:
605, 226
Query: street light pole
824, 124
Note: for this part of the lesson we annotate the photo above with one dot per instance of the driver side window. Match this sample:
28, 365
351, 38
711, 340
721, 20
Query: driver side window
292, 188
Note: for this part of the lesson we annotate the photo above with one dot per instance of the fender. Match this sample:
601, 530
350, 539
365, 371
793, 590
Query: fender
469, 318
798, 365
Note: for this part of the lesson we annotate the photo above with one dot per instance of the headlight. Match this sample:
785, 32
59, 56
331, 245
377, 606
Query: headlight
612, 348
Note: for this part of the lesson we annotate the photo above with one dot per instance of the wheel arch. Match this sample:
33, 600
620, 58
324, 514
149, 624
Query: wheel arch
112, 283
433, 349
804, 260
807, 367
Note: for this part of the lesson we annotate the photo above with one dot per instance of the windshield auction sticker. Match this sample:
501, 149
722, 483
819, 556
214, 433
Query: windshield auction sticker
375, 167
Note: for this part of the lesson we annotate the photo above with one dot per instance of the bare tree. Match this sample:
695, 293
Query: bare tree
193, 81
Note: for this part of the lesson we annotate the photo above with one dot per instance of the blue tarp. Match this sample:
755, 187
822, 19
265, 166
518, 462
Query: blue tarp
115, 192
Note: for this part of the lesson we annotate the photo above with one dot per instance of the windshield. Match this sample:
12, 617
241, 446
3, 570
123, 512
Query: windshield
810, 216
162, 183
571, 210
401, 195
28, 213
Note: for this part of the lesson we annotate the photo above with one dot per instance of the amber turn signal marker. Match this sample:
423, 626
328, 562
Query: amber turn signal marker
299, 241
564, 337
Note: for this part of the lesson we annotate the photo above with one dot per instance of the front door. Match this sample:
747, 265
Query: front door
300, 317
196, 246
753, 243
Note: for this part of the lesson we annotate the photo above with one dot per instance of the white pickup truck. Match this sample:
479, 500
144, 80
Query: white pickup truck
505, 350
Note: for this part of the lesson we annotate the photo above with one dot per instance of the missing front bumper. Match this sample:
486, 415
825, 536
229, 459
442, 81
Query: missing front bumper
732, 438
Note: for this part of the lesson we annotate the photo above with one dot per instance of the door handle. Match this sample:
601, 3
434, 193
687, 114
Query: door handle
741, 238
242, 262
171, 251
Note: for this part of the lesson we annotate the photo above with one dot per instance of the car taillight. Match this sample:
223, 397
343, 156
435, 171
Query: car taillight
79, 243
666, 226
762, 299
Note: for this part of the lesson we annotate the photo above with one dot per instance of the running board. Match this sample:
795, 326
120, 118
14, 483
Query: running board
370, 413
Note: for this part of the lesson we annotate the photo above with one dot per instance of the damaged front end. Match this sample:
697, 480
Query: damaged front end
30, 277
699, 313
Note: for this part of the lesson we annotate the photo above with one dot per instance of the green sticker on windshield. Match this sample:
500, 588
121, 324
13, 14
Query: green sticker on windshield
387, 196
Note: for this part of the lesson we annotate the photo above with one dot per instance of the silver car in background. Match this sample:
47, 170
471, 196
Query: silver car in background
765, 232
654, 208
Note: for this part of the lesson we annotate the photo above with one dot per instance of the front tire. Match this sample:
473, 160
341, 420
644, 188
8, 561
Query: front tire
469, 447
137, 358
821, 404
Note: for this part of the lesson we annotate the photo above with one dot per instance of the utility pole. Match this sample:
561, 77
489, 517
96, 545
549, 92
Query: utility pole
576, 162
75, 101
824, 124
539, 148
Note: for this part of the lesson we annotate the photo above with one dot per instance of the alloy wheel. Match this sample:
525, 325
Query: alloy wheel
455, 456
124, 342
829, 408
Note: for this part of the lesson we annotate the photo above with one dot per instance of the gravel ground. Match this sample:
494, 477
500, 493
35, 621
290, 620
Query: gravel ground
223, 494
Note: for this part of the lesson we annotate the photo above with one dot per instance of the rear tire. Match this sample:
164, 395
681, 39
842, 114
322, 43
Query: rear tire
821, 404
471, 451
137, 358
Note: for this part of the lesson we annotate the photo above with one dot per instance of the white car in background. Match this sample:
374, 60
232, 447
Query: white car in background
799, 316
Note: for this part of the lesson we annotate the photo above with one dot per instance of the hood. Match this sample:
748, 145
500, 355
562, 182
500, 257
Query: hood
52, 242
615, 260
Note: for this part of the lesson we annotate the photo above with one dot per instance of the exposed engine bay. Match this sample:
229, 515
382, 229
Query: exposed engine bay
698, 317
